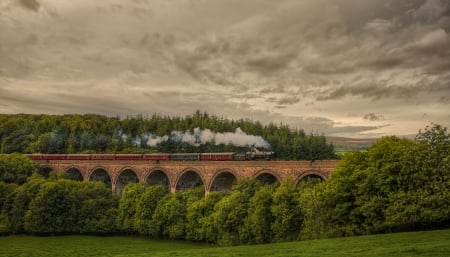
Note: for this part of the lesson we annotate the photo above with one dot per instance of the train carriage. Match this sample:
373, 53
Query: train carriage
185, 157
128, 157
54, 157
156, 157
101, 157
217, 156
78, 157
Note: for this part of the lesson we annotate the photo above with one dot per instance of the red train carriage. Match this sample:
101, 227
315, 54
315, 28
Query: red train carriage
128, 157
217, 156
156, 157
101, 157
78, 157
54, 157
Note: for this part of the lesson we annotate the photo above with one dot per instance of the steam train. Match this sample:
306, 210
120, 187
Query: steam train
227, 156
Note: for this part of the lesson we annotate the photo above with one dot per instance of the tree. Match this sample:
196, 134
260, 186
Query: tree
231, 212
286, 212
146, 206
6, 192
397, 185
16, 168
97, 208
20, 201
53, 209
260, 217
169, 218
126, 218
199, 226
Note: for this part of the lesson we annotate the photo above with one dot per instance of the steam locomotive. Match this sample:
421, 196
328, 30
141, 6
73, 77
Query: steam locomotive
226, 156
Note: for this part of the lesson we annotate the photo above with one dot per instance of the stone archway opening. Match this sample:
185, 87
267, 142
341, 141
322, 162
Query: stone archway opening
309, 181
45, 171
157, 177
74, 174
126, 176
223, 182
102, 176
189, 180
267, 178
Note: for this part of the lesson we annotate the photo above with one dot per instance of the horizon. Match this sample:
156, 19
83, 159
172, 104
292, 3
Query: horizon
345, 68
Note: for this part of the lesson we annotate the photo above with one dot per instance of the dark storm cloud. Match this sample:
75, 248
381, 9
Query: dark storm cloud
32, 5
266, 64
306, 63
288, 100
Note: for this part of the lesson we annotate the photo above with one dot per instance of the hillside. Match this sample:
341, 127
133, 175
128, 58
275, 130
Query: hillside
355, 143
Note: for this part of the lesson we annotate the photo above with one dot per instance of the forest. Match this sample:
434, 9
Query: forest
200, 132
398, 184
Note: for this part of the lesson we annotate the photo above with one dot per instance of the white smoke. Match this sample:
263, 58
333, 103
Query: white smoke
153, 141
199, 137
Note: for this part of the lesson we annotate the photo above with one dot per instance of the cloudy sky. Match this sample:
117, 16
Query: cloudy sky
359, 68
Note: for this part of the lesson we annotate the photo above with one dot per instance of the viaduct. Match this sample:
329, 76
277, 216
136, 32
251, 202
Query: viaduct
180, 175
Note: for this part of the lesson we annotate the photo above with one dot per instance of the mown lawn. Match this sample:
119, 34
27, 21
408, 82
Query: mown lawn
427, 243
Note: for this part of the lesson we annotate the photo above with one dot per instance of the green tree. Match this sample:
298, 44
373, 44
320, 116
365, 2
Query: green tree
231, 212
6, 192
286, 212
199, 226
126, 217
169, 218
145, 208
259, 219
53, 209
97, 208
397, 185
16, 168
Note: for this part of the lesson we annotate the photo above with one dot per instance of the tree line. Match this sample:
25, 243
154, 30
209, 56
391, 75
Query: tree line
90, 133
396, 185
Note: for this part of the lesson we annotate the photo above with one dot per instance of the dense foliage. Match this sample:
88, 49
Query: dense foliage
397, 185
16, 168
26, 133
58, 206
251, 212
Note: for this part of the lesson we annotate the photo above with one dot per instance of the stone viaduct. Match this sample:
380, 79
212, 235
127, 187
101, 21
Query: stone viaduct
180, 175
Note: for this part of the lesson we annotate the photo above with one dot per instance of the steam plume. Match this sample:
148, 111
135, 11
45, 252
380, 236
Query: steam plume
199, 137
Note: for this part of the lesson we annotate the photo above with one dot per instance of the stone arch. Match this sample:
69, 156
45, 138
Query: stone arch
45, 170
189, 178
310, 174
74, 173
126, 175
100, 174
158, 176
267, 177
223, 180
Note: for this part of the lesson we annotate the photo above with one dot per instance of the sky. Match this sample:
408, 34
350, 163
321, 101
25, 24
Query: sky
354, 68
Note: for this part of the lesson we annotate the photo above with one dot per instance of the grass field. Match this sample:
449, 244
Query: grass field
428, 243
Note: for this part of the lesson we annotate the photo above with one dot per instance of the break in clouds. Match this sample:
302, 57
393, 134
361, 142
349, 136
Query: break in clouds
205, 136
319, 65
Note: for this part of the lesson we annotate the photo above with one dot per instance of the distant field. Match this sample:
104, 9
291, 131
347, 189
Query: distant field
428, 243
343, 145
356, 143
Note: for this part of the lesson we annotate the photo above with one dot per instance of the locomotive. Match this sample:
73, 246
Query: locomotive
253, 155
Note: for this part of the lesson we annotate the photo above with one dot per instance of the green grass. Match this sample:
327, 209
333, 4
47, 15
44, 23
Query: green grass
427, 243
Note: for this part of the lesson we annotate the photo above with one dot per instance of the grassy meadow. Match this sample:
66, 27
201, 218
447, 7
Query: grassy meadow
426, 243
